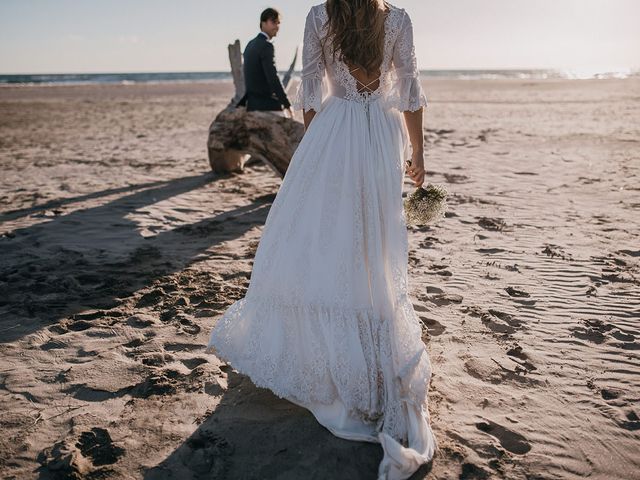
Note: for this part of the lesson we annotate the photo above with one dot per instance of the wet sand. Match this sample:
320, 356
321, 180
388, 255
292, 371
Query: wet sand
119, 249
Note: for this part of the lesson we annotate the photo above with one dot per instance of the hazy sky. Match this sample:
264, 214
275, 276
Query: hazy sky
55, 36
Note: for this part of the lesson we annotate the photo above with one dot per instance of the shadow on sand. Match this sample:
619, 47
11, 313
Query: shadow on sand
95, 258
253, 434
52, 204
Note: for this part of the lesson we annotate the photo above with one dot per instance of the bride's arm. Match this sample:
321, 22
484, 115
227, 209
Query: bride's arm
414, 127
309, 96
411, 98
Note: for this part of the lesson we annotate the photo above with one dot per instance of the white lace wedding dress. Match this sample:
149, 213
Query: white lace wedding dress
326, 322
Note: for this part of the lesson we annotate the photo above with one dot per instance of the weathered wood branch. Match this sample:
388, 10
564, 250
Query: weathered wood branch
287, 76
235, 59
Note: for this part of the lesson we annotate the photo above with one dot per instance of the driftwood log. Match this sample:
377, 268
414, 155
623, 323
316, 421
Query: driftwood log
237, 136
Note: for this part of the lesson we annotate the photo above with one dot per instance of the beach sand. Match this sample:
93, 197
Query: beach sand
119, 249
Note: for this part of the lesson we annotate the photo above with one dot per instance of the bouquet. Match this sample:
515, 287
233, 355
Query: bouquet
426, 204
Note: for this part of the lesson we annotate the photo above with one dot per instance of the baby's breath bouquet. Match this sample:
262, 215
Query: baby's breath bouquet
426, 205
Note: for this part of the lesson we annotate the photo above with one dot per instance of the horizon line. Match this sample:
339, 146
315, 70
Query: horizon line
462, 69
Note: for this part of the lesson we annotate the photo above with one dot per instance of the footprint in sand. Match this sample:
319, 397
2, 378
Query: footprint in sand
162, 383
510, 440
631, 253
471, 471
135, 343
632, 421
611, 393
441, 270
495, 320
80, 322
151, 298
517, 352
187, 325
53, 344
203, 455
492, 224
455, 178
623, 337
168, 315
86, 458
434, 327
156, 359
78, 325
519, 296
488, 251
509, 319
141, 320
203, 377
598, 332
98, 446
551, 250
443, 273
516, 292
182, 347
442, 299
616, 269
192, 363
428, 242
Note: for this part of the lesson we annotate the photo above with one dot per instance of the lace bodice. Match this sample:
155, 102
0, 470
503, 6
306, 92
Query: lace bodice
322, 74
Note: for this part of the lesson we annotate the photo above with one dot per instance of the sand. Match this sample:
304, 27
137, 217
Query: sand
119, 250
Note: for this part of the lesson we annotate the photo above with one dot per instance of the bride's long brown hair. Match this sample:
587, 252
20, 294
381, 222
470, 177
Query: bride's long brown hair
356, 30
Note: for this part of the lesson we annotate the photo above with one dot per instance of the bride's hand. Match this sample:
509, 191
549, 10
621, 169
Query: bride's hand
415, 168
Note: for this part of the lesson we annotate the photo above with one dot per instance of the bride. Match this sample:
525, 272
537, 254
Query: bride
327, 322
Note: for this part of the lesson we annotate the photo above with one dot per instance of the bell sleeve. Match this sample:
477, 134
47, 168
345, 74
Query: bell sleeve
310, 90
408, 94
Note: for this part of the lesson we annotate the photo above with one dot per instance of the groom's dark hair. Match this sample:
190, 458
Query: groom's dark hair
269, 14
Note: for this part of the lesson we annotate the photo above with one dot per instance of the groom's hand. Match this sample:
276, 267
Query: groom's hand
289, 112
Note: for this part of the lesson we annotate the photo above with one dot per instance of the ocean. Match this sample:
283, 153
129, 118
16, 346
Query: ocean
164, 77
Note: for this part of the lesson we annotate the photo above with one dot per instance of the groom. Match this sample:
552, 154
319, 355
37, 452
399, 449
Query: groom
264, 90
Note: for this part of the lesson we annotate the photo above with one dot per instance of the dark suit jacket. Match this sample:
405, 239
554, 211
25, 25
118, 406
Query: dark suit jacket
263, 87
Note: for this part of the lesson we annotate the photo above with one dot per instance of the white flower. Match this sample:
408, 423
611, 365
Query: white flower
426, 205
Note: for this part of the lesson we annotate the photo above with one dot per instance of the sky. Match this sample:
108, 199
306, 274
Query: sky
87, 36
